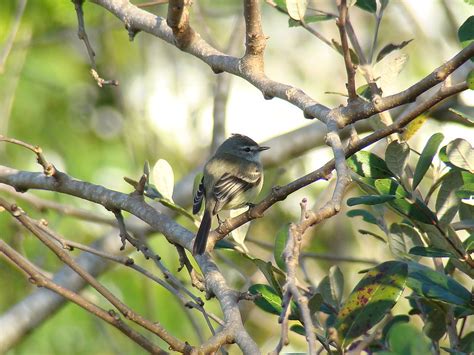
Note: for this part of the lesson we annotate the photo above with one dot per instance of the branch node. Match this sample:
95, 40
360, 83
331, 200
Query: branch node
132, 32
216, 70
267, 96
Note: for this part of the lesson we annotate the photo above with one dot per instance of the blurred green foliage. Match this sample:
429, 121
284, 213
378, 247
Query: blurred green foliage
48, 98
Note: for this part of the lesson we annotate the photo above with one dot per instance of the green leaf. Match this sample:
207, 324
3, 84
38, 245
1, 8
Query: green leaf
416, 210
336, 279
390, 187
374, 296
461, 154
466, 33
369, 200
444, 238
435, 318
431, 252
280, 243
269, 300
224, 244
470, 79
163, 178
470, 2
390, 48
337, 46
367, 164
426, 158
310, 19
366, 215
402, 239
332, 286
367, 5
324, 288
463, 118
465, 191
396, 157
267, 270
444, 157
403, 338
281, 6
298, 329
434, 285
400, 318
315, 303
447, 203
376, 236
469, 243
364, 92
296, 8
467, 177
467, 343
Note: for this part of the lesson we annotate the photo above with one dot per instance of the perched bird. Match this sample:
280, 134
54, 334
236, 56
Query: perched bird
232, 178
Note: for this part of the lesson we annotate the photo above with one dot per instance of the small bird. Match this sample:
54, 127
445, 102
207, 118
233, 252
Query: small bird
231, 179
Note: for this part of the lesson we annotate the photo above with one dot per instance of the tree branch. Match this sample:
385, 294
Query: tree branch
110, 317
142, 20
178, 21
153, 327
139, 19
341, 25
280, 193
82, 34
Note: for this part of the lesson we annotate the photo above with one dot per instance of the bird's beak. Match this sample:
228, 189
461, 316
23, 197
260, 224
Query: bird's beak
260, 148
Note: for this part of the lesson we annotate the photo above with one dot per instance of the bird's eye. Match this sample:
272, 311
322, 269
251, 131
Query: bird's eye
247, 149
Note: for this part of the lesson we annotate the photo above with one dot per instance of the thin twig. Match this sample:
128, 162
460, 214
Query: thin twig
110, 317
153, 327
82, 34
291, 255
63, 209
378, 20
48, 168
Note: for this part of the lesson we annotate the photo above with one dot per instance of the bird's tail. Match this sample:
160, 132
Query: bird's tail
202, 234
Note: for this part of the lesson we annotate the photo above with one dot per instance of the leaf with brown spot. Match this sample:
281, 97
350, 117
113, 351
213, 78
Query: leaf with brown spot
377, 292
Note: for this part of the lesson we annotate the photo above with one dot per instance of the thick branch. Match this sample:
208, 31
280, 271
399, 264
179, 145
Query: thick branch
114, 200
142, 20
361, 110
254, 37
178, 21
139, 19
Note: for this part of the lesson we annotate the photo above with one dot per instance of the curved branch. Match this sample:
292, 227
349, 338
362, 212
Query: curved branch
139, 19
280, 193
175, 233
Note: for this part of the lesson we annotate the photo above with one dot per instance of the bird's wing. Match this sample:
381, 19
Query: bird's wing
229, 186
198, 197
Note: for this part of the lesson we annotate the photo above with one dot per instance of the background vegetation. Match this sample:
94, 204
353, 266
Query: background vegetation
162, 108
